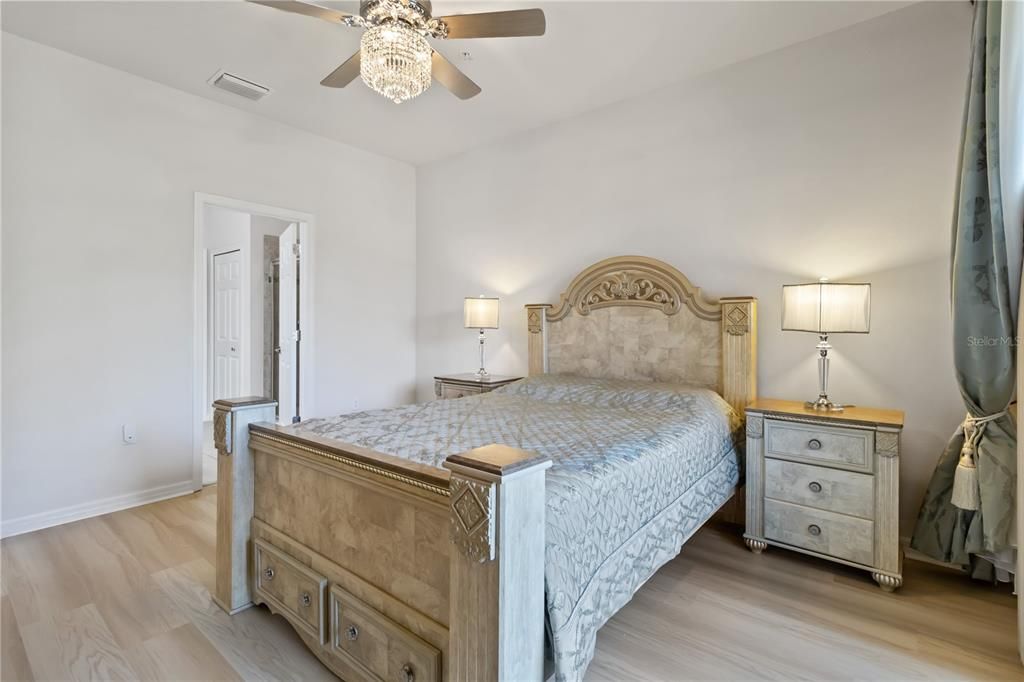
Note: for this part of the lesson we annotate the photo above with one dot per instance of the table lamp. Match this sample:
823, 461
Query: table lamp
826, 308
481, 313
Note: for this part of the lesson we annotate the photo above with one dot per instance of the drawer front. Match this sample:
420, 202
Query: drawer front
374, 642
836, 446
453, 391
820, 531
295, 591
835, 490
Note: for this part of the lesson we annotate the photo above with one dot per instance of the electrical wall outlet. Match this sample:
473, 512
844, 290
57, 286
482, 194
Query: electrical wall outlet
128, 434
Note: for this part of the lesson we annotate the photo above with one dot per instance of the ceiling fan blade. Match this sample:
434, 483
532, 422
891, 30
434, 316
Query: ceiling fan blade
448, 75
344, 74
518, 22
309, 9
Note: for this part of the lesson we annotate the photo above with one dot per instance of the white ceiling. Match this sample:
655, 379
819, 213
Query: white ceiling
594, 53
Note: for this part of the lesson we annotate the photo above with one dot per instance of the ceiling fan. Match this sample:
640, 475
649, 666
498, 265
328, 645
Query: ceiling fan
394, 57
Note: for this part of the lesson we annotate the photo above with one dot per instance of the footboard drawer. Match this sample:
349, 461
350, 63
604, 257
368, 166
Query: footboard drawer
366, 638
293, 590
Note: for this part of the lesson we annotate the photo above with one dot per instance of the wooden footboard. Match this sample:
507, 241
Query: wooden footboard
386, 568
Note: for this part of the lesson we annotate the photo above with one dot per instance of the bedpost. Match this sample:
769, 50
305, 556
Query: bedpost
739, 351
537, 326
496, 601
231, 419
739, 376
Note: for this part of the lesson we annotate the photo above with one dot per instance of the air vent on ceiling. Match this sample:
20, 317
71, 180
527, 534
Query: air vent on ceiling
238, 86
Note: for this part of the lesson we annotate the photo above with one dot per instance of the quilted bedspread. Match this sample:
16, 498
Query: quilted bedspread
638, 467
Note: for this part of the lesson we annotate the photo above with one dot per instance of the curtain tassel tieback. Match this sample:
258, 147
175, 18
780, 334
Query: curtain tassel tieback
966, 490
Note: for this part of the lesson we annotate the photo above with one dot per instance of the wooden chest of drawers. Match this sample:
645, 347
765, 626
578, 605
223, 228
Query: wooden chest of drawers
826, 484
461, 385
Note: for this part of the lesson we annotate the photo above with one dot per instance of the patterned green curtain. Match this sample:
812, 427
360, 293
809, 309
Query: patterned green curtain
969, 509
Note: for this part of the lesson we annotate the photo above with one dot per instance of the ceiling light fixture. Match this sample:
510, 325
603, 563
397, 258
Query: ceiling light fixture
394, 57
395, 61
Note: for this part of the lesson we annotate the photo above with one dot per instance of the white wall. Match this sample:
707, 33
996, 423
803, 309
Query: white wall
833, 157
225, 230
100, 170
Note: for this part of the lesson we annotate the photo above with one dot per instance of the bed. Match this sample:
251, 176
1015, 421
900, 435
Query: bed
472, 539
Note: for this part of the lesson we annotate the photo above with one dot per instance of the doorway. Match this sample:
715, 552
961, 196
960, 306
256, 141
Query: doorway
253, 322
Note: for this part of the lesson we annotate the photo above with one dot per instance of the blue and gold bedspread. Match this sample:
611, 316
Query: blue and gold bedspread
638, 467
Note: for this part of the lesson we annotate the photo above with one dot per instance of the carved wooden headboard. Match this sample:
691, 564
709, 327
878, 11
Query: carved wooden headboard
633, 317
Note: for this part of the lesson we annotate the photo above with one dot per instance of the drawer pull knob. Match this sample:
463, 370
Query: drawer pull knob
268, 574
352, 633
814, 529
407, 674
814, 444
306, 599
814, 486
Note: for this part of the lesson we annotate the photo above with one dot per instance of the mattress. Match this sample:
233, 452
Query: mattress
637, 468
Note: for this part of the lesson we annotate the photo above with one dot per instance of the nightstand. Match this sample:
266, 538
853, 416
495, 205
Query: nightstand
461, 385
826, 484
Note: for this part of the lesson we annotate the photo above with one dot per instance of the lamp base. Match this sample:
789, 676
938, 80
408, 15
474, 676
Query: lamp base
481, 374
823, 404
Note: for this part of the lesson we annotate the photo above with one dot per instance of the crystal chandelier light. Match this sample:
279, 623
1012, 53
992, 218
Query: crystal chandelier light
394, 58
395, 61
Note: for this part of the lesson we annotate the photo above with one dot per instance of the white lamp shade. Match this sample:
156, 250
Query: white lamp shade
481, 313
826, 308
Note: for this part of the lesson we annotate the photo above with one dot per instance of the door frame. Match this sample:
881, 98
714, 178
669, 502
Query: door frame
307, 379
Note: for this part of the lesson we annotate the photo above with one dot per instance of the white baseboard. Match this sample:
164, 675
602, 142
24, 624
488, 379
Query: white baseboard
56, 517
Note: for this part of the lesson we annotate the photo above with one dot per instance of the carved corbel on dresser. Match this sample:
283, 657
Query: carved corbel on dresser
888, 554
753, 491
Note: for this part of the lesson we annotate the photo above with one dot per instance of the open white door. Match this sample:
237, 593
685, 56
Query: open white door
227, 325
288, 326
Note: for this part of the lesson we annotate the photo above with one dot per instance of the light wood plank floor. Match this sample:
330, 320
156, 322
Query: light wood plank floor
127, 596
